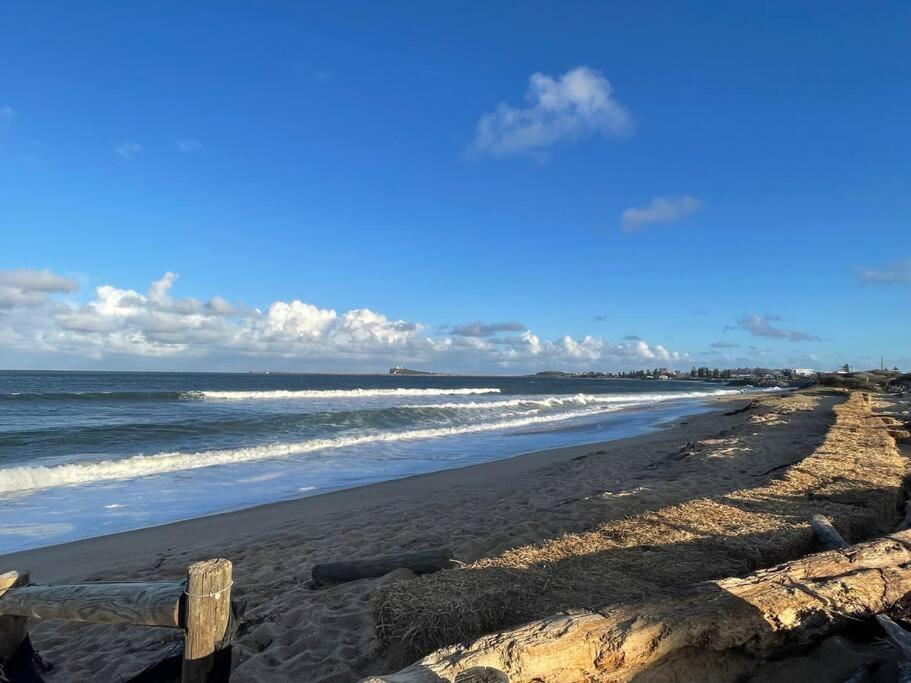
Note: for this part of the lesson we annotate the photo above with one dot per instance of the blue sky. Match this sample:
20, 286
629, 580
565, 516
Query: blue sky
569, 176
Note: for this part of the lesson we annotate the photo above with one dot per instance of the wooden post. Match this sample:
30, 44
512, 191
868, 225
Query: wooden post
13, 629
208, 608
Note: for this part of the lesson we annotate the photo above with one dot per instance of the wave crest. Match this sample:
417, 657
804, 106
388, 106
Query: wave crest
334, 393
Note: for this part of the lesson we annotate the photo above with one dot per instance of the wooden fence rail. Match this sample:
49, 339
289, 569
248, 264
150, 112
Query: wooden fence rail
200, 605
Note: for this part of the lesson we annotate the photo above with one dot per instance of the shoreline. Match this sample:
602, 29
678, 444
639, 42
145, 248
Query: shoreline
75, 559
709, 495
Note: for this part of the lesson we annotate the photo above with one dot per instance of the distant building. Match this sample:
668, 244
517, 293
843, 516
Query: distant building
803, 372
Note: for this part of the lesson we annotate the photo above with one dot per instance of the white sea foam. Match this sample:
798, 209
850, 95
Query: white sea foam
27, 478
334, 393
576, 400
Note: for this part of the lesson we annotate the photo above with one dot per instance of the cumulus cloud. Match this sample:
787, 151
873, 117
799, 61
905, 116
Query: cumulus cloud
128, 150
893, 274
479, 329
120, 323
761, 326
29, 288
189, 145
579, 104
660, 210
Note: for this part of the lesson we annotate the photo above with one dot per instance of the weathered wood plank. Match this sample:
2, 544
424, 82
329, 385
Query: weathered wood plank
419, 561
145, 603
208, 607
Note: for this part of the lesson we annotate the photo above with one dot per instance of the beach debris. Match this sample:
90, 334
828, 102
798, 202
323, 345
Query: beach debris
418, 561
763, 615
200, 605
826, 533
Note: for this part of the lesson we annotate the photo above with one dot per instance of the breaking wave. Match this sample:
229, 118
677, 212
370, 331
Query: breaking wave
334, 393
27, 478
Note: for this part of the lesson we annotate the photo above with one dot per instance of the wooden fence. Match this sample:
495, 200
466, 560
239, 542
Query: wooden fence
199, 605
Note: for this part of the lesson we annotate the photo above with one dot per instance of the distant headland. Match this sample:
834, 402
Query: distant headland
406, 371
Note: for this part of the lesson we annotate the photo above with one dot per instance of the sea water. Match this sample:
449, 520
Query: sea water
89, 453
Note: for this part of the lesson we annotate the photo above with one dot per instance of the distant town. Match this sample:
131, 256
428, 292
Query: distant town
735, 376
882, 379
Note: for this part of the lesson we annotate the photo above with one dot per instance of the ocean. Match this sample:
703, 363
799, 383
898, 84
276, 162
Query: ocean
89, 453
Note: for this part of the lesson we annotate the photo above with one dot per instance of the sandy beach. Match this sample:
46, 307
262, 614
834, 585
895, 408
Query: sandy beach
556, 511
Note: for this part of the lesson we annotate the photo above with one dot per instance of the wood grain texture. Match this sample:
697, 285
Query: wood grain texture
419, 561
144, 603
208, 607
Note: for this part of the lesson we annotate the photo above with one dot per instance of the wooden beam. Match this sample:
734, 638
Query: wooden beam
793, 604
419, 561
827, 534
13, 628
144, 603
208, 609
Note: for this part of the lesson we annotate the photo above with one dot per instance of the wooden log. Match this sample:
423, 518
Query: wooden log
419, 561
13, 628
826, 533
767, 613
144, 603
208, 609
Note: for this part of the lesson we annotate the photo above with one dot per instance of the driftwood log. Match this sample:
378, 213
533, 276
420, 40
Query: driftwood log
149, 604
419, 561
826, 533
767, 613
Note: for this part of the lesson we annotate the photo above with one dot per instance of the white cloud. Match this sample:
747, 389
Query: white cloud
128, 150
579, 104
30, 288
479, 329
895, 273
121, 323
660, 210
761, 326
189, 145
37, 280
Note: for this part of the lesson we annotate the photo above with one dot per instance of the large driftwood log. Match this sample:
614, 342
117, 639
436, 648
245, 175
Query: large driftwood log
766, 613
419, 561
151, 604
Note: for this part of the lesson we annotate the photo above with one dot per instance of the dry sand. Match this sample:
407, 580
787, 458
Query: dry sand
513, 515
